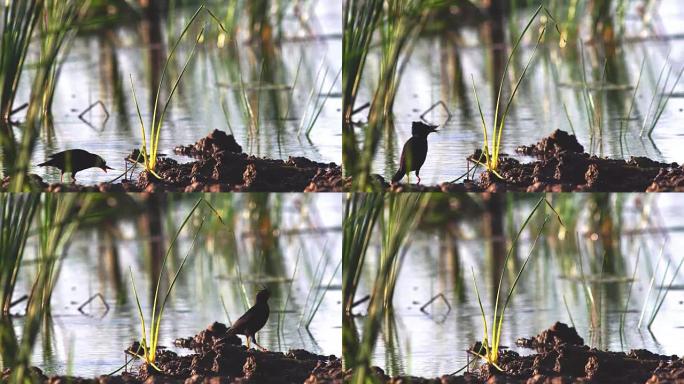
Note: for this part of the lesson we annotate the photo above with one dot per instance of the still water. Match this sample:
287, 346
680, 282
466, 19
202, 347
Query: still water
101, 63
209, 289
433, 344
442, 63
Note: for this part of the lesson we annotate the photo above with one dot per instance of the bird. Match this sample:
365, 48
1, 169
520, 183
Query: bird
415, 150
74, 161
253, 320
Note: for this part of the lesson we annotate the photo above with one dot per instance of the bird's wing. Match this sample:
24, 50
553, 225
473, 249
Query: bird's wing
406, 155
240, 323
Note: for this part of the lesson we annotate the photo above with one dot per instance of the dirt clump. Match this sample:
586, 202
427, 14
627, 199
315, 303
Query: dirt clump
217, 141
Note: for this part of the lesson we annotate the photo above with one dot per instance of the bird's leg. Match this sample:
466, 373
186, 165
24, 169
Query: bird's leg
61, 177
418, 176
73, 178
259, 346
248, 341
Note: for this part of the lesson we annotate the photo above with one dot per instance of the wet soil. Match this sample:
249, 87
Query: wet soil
560, 356
219, 166
219, 358
561, 165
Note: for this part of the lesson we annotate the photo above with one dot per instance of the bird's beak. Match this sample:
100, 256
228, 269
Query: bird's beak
433, 128
105, 168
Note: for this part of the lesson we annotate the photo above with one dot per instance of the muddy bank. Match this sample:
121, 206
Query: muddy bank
560, 356
218, 358
561, 165
219, 166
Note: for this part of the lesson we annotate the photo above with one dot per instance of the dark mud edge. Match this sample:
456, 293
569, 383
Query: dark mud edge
219, 358
561, 165
219, 166
561, 357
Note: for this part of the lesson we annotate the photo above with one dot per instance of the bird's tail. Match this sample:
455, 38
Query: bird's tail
45, 164
399, 175
230, 332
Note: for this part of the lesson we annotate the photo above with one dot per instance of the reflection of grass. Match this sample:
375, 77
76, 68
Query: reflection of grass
491, 342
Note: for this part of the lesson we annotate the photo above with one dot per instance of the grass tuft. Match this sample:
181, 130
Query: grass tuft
492, 150
492, 341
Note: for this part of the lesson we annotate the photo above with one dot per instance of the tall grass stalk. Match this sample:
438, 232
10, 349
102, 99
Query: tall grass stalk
650, 285
16, 350
19, 21
361, 212
628, 116
316, 102
318, 298
58, 26
16, 215
58, 219
159, 111
360, 21
401, 214
492, 151
663, 290
660, 98
492, 341
404, 20
629, 293
60, 215
593, 306
149, 344
281, 314
662, 293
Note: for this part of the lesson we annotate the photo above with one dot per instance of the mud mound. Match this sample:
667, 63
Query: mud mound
558, 141
217, 141
558, 334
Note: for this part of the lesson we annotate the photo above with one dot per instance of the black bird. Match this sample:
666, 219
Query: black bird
74, 160
415, 150
253, 320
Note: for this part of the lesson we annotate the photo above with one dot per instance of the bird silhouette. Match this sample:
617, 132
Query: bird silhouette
74, 161
415, 151
253, 320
